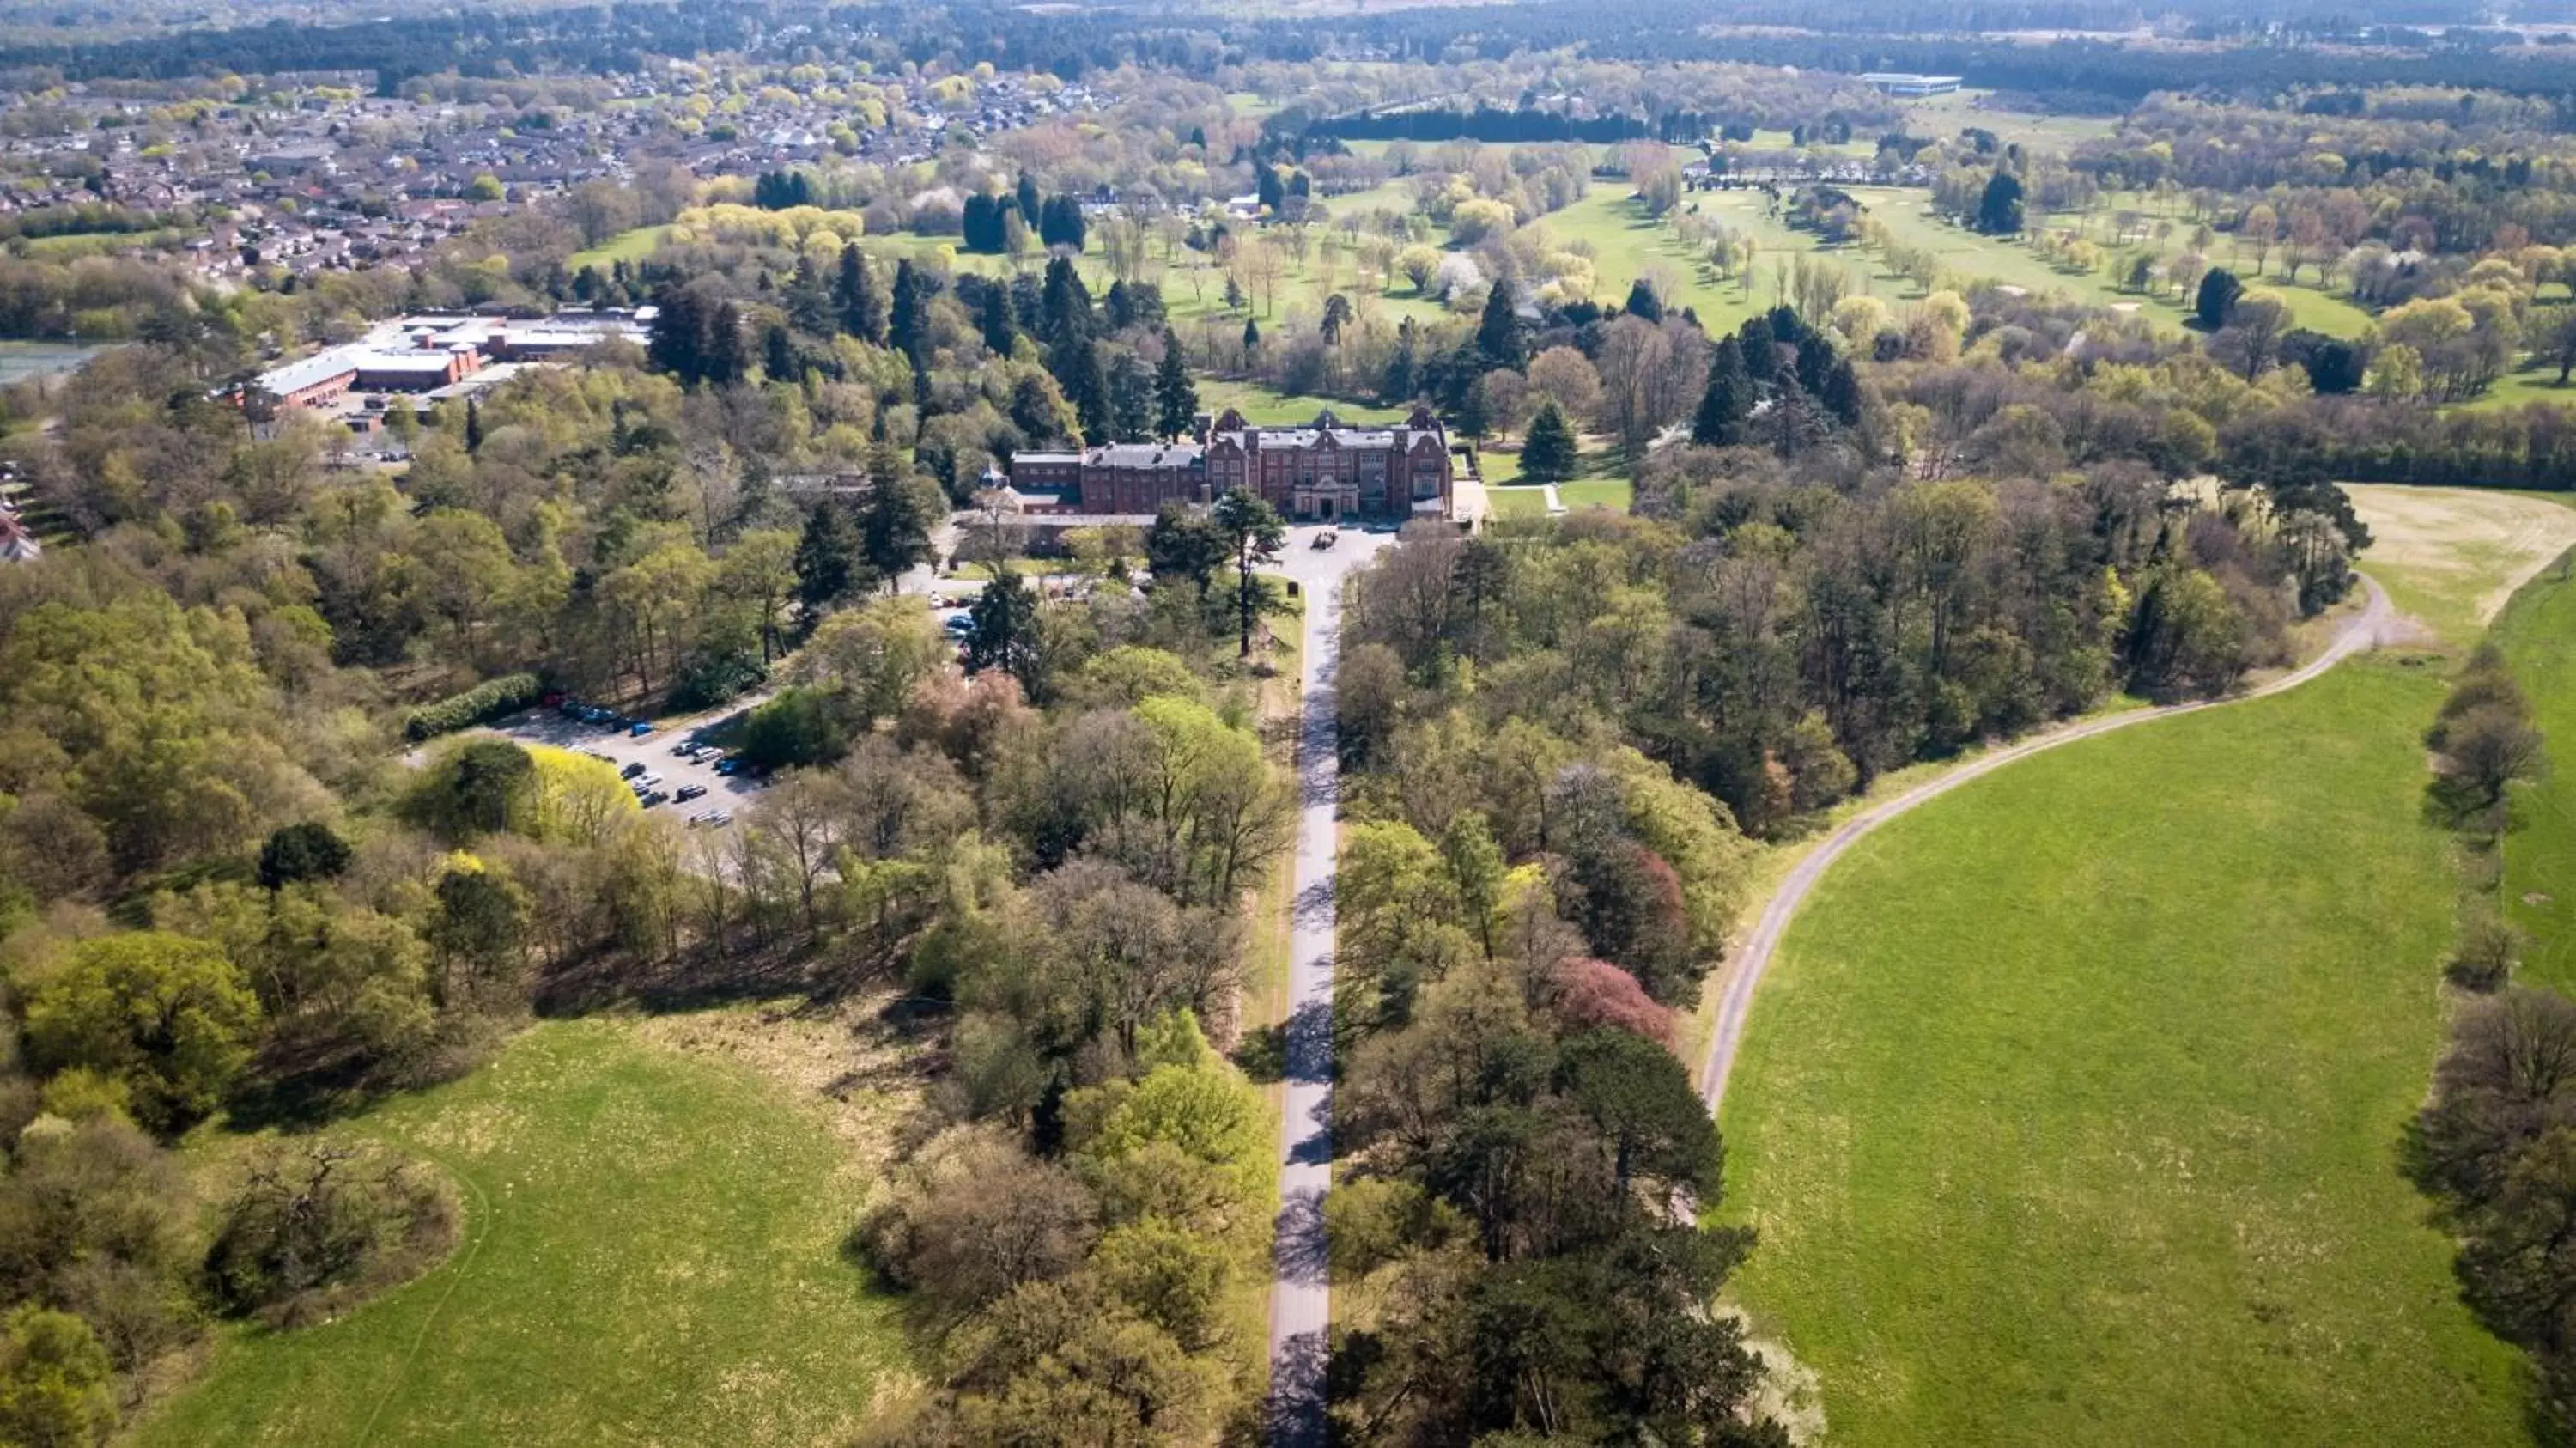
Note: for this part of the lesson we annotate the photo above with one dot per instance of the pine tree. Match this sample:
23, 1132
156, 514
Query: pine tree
1471, 417
1251, 335
828, 565
473, 426
895, 515
1086, 386
1498, 332
679, 334
1029, 202
907, 328
1642, 301
995, 320
1760, 349
1403, 377
728, 356
1547, 448
1841, 393
1131, 399
1176, 397
1064, 306
855, 295
1728, 400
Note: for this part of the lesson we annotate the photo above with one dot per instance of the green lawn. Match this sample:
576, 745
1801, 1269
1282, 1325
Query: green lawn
1267, 405
2538, 634
2071, 1113
652, 1255
1946, 116
1530, 500
1625, 245
2521, 389
1596, 493
629, 246
1970, 255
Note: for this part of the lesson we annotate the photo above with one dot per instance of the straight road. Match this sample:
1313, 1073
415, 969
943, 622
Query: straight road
2374, 624
1300, 1305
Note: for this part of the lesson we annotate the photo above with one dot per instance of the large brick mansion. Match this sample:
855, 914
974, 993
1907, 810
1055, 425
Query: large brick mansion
1323, 470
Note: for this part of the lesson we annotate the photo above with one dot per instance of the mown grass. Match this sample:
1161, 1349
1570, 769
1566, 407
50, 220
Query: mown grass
1970, 255
2071, 1111
628, 246
2536, 383
1625, 244
2452, 558
653, 1254
2537, 632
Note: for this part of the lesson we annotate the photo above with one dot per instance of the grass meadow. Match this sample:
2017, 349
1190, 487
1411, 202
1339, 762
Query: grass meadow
2071, 1111
627, 246
2537, 632
652, 1254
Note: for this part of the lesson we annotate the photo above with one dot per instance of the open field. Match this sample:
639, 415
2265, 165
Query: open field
2452, 557
1901, 210
1267, 405
1625, 244
1945, 116
2537, 632
629, 246
2521, 389
652, 1254
2055, 1136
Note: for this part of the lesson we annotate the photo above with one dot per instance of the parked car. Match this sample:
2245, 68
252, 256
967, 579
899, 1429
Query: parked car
638, 729
689, 792
631, 770
650, 781
654, 797
728, 766
1327, 538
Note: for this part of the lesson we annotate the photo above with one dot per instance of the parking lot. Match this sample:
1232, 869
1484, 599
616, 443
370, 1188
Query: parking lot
723, 792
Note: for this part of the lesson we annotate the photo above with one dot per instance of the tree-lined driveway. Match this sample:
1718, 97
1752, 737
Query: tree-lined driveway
1300, 1305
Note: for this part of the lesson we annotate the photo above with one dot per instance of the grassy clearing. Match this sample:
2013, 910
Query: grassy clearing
2521, 389
1267, 405
626, 246
2452, 557
2057, 1135
652, 1254
1945, 116
2540, 854
1597, 493
1625, 245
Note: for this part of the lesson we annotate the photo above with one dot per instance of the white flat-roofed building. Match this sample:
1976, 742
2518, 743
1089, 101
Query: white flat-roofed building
1907, 83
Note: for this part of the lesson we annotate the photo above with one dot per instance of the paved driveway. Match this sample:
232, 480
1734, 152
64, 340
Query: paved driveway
1300, 1307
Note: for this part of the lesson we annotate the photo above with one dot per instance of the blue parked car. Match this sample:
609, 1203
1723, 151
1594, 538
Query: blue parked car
638, 729
727, 766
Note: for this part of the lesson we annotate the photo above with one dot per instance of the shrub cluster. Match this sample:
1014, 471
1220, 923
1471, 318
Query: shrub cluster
481, 704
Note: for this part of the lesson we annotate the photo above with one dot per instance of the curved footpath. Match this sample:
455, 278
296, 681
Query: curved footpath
2375, 624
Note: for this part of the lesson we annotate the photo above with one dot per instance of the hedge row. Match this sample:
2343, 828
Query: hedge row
484, 702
